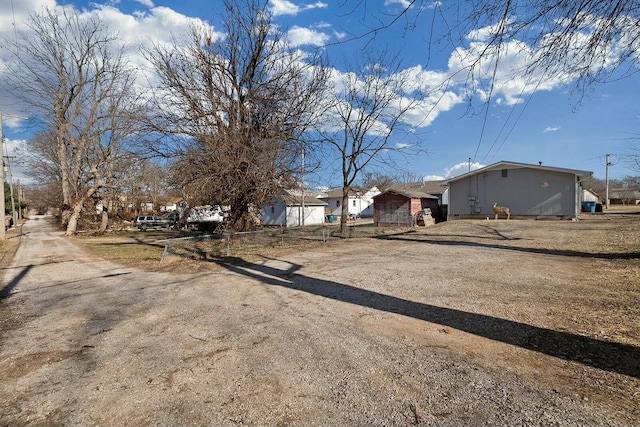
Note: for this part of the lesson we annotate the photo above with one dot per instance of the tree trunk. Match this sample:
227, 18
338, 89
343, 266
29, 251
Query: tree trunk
65, 215
76, 208
72, 226
104, 221
344, 215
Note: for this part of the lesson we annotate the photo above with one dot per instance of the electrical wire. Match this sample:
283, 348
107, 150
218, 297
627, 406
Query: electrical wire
13, 14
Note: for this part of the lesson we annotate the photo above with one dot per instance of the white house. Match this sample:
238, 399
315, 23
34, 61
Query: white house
360, 201
288, 210
590, 196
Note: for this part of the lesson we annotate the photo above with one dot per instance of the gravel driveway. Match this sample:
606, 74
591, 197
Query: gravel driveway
397, 331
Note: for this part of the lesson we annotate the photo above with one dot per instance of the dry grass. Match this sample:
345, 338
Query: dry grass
614, 235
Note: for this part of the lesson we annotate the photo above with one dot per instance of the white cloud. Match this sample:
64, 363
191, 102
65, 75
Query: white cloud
339, 35
462, 168
433, 178
158, 25
298, 36
551, 129
322, 25
285, 7
15, 149
18, 11
509, 83
147, 3
403, 3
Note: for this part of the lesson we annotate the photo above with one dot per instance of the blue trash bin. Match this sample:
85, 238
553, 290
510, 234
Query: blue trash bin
589, 207
330, 218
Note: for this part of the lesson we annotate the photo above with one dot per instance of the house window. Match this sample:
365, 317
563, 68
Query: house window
354, 203
505, 172
273, 209
337, 202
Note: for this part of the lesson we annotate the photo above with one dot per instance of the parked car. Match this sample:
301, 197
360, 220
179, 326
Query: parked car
143, 222
171, 218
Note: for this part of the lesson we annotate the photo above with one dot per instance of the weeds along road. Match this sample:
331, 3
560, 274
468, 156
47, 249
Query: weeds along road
370, 332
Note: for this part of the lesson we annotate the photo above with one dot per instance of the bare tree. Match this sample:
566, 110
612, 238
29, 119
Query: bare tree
237, 107
136, 180
71, 73
41, 164
42, 197
633, 158
379, 180
589, 40
367, 115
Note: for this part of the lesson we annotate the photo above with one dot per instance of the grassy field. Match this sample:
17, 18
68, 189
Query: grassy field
589, 234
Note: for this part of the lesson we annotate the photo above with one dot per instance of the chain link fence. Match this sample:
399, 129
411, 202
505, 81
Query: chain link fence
231, 244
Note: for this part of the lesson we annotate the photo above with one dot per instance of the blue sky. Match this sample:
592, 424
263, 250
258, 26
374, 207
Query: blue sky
524, 122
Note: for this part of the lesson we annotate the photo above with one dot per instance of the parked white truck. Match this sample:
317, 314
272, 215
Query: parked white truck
206, 218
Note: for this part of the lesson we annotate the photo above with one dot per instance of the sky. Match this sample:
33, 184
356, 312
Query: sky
522, 122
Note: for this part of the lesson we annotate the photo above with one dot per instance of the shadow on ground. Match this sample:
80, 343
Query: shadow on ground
411, 236
614, 357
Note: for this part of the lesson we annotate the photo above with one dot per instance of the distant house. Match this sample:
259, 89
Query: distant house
146, 207
624, 196
397, 207
169, 207
360, 201
527, 190
289, 209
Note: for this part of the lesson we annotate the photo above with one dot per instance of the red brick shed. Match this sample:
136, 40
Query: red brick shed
398, 208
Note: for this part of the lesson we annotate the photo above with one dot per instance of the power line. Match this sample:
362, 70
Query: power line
13, 14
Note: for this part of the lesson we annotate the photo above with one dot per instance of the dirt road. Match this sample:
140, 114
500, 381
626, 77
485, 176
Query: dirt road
400, 332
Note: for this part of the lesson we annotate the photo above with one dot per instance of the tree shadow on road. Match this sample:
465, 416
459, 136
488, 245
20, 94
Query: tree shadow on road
609, 356
412, 237
6, 290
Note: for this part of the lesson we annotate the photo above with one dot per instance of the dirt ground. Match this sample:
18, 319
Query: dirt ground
470, 323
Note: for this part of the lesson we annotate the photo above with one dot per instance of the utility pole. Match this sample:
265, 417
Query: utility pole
13, 202
606, 191
20, 197
3, 234
302, 170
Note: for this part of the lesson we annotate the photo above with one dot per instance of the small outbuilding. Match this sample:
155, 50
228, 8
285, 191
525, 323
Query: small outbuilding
527, 190
292, 210
433, 188
398, 207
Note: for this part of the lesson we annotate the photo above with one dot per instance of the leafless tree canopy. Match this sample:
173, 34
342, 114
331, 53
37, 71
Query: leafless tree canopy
368, 109
587, 39
237, 107
376, 179
71, 73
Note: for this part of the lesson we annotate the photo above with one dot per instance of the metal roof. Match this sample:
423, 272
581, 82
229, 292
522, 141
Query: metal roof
337, 192
410, 194
581, 174
429, 187
296, 200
